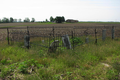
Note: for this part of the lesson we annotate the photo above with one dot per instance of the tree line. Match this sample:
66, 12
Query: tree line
57, 19
11, 20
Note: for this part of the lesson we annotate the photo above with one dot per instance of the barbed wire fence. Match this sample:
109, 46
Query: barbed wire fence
45, 36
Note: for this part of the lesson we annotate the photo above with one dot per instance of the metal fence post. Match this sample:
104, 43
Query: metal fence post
103, 34
113, 32
8, 36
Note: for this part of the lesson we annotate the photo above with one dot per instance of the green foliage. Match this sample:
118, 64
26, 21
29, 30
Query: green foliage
26, 20
4, 72
33, 20
51, 19
60, 19
5, 20
112, 74
84, 62
11, 19
76, 40
4, 61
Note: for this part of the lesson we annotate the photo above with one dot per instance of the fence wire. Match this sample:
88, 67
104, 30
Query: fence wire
50, 34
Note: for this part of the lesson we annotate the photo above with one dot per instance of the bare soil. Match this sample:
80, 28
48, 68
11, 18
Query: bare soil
61, 24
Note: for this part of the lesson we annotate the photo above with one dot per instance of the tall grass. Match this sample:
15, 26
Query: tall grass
82, 63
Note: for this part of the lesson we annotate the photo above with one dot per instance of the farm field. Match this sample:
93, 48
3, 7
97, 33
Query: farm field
63, 24
90, 61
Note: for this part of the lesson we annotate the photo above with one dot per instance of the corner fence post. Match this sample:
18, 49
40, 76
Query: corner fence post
95, 36
103, 34
8, 36
113, 32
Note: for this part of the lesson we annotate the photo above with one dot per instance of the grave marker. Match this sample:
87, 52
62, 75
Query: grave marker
103, 34
26, 41
53, 46
66, 41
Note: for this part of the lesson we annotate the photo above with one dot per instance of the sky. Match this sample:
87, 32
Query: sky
82, 10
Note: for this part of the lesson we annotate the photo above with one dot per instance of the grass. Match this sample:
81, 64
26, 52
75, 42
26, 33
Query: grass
102, 22
85, 62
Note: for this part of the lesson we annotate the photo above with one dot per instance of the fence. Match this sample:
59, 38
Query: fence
44, 36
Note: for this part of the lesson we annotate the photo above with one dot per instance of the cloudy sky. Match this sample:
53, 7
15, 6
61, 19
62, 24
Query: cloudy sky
82, 10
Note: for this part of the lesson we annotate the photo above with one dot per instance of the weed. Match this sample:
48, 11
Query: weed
76, 40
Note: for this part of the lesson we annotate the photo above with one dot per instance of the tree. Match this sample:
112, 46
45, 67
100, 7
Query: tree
19, 20
51, 19
5, 20
0, 21
33, 20
26, 20
63, 19
46, 20
58, 19
11, 19
15, 20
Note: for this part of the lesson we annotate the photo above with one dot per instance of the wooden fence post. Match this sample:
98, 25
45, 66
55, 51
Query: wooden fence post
95, 36
113, 32
8, 36
103, 34
73, 39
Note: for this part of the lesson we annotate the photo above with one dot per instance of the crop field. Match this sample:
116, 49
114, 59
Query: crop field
84, 24
89, 61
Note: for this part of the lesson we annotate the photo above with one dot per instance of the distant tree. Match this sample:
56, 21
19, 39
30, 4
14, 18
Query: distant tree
19, 20
11, 19
26, 20
0, 21
63, 19
51, 19
58, 19
33, 20
15, 20
46, 20
5, 20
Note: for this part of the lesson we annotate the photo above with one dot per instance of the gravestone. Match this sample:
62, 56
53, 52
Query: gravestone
66, 41
113, 32
86, 40
26, 41
53, 46
103, 34
42, 41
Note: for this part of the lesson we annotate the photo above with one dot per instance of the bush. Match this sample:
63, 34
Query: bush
76, 40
